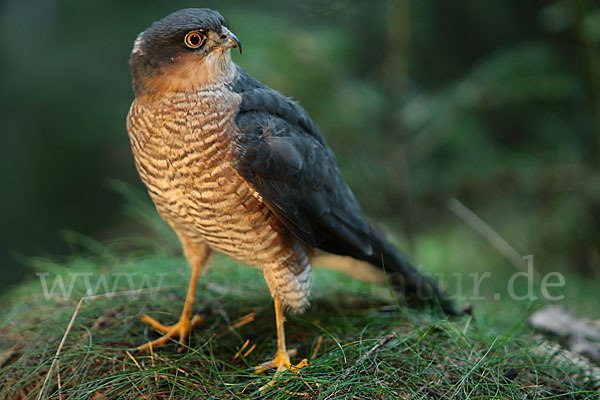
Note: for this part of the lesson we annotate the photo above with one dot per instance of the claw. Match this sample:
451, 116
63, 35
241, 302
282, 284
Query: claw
282, 363
180, 330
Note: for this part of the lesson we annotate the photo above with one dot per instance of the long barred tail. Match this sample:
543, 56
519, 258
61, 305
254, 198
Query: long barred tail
404, 277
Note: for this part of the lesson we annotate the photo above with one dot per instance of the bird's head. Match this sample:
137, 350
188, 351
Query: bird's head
186, 50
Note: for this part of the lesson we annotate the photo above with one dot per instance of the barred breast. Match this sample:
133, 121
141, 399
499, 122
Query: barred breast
181, 143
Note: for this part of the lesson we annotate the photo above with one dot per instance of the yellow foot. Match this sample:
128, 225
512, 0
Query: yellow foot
181, 330
281, 362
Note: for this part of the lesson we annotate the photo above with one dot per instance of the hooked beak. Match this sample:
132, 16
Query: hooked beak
230, 40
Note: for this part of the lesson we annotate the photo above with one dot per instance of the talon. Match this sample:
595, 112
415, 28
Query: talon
282, 363
282, 358
155, 324
301, 364
197, 319
181, 330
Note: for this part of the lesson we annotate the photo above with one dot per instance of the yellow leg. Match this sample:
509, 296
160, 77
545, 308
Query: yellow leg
282, 358
197, 255
281, 361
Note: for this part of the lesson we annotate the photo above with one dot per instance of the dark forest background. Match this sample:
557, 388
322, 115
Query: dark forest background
493, 103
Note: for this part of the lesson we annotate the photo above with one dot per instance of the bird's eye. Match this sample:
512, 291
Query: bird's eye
194, 39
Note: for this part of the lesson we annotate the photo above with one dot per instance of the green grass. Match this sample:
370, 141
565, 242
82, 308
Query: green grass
492, 354
429, 357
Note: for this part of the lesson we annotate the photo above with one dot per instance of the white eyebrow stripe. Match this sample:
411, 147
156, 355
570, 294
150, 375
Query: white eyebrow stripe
137, 45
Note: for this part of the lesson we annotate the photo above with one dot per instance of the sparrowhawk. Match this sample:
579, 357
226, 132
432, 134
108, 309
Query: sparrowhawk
236, 167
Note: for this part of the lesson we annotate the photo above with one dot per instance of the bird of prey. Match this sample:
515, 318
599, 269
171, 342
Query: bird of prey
234, 166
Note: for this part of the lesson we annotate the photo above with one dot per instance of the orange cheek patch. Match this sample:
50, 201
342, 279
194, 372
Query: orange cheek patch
186, 72
190, 71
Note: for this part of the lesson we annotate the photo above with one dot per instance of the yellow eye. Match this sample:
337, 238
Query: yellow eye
194, 39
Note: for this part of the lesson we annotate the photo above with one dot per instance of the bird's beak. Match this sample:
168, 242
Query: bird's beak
230, 40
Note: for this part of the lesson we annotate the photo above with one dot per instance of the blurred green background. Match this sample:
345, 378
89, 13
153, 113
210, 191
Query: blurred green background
494, 103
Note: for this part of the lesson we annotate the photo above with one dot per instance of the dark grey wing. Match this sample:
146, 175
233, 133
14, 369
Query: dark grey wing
281, 153
284, 157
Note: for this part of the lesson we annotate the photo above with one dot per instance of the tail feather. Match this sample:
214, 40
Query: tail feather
404, 276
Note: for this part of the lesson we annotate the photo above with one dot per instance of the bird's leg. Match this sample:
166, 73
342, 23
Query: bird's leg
281, 361
197, 255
